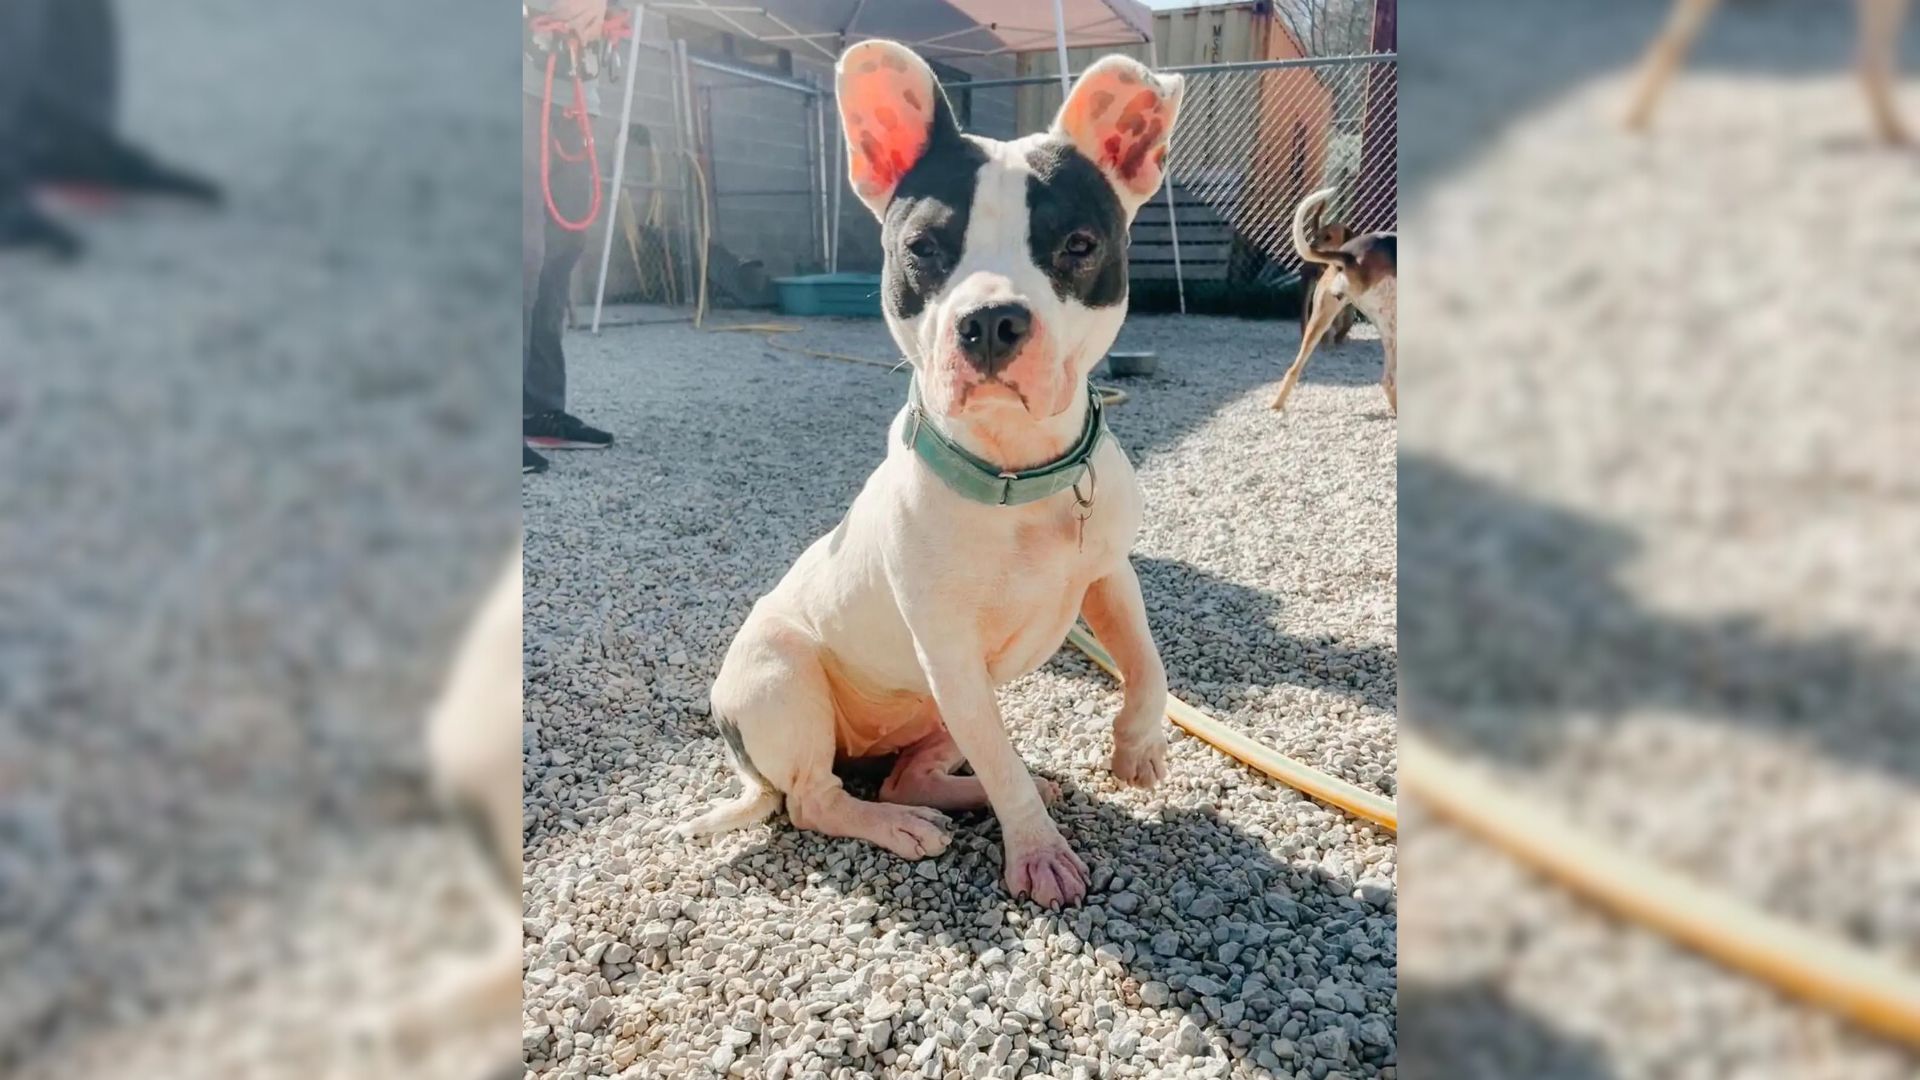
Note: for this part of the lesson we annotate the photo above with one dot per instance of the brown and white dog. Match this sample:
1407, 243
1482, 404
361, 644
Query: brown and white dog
1362, 272
1313, 275
1004, 282
1880, 23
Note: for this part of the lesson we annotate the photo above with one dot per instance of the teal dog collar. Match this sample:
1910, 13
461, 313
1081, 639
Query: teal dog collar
984, 482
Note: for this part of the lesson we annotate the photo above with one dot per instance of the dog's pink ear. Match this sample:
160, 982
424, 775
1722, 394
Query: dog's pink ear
889, 107
1121, 115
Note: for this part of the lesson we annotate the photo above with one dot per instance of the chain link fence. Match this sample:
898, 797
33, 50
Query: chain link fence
1253, 139
740, 172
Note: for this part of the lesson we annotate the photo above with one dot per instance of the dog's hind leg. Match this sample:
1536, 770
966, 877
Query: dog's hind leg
1389, 378
911, 832
1325, 307
1665, 56
775, 706
923, 776
1880, 23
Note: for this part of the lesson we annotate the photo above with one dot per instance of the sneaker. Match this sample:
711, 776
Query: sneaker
531, 462
24, 228
561, 431
97, 167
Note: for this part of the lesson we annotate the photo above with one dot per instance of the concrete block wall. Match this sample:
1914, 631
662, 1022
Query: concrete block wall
764, 180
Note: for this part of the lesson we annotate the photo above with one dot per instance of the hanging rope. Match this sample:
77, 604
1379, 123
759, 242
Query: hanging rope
617, 27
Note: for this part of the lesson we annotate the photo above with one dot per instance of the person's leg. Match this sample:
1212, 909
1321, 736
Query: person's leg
23, 35
544, 384
22, 27
77, 101
536, 391
87, 80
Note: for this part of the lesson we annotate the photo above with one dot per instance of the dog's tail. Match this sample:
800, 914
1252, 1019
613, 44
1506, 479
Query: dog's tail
1304, 215
757, 797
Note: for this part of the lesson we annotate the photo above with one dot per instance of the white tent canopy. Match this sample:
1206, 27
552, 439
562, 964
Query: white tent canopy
933, 27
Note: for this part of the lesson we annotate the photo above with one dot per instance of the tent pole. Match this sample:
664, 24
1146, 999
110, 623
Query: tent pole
619, 163
820, 141
839, 185
1060, 44
1166, 189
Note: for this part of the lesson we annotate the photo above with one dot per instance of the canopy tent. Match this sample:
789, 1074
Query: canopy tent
954, 29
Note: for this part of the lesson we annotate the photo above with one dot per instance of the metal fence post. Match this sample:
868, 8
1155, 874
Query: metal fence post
820, 141
1173, 214
619, 164
839, 186
1060, 43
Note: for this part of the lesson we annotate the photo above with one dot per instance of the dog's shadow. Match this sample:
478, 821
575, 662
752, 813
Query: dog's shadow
1515, 620
1188, 913
1476, 1029
1231, 634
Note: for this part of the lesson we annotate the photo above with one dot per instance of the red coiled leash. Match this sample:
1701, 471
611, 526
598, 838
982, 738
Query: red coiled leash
617, 26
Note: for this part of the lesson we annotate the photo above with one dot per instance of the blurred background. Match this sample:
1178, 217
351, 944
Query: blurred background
255, 479
1658, 519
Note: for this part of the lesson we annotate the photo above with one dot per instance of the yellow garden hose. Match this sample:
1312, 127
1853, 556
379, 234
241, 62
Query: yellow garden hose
1303, 778
1867, 989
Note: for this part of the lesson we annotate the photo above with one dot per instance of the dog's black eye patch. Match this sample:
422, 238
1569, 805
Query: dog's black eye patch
925, 225
1076, 231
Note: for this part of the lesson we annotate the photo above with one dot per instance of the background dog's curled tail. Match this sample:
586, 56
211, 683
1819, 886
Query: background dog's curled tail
748, 808
1309, 211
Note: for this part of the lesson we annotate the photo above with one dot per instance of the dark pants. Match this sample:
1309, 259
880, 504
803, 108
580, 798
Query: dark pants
59, 66
548, 254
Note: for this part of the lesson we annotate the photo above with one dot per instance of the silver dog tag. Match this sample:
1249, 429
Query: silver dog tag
1083, 504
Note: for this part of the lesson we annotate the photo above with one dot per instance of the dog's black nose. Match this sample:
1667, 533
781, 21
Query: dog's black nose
990, 336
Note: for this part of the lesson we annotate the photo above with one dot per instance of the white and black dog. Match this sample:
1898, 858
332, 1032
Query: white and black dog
1003, 508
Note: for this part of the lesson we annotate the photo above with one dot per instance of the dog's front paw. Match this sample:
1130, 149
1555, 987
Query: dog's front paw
1141, 762
1047, 870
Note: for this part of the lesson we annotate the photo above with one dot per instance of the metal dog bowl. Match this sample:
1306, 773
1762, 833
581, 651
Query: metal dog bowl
1129, 365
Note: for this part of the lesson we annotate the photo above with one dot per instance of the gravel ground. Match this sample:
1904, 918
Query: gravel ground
1659, 518
253, 487
1235, 929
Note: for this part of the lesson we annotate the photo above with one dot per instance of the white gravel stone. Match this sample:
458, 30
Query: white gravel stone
1188, 1041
